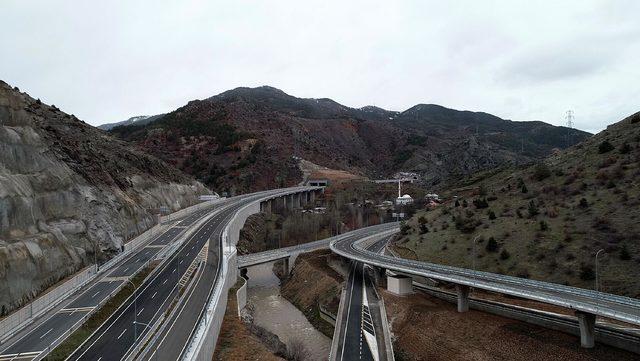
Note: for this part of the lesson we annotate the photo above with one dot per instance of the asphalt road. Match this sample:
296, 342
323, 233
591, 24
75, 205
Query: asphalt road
37, 338
114, 338
603, 304
362, 334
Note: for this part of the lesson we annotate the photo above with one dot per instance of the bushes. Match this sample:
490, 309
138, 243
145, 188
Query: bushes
587, 273
605, 147
504, 255
480, 203
533, 209
583, 203
466, 224
492, 245
624, 253
541, 171
625, 148
544, 226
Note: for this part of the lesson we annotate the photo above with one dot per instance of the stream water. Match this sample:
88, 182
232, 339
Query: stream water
276, 314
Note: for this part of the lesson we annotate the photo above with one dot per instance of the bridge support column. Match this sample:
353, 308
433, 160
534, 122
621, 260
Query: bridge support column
286, 265
379, 275
399, 284
463, 298
587, 323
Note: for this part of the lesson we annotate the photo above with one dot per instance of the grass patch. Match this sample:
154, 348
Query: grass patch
63, 350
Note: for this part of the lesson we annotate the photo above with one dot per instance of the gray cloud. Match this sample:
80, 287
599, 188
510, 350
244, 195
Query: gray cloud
106, 61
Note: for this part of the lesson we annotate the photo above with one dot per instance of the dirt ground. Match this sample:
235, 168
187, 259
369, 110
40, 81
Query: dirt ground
312, 283
236, 342
427, 328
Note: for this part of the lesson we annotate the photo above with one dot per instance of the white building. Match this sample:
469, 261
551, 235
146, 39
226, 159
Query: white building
404, 199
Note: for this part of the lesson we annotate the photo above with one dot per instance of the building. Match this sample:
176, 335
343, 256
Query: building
402, 199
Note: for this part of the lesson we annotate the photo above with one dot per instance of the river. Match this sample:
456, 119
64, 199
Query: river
276, 314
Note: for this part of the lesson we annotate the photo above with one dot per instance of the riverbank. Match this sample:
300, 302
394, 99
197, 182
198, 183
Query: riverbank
271, 311
239, 341
312, 284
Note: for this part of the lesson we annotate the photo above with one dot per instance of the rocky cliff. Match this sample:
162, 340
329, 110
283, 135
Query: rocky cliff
69, 194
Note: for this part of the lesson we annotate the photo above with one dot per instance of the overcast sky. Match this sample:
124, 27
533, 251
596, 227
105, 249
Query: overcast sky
105, 61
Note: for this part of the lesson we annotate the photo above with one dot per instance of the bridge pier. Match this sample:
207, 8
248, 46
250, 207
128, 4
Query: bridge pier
399, 284
286, 266
587, 323
463, 298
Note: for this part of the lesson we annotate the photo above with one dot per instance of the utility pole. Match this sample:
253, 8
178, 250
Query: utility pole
597, 275
569, 118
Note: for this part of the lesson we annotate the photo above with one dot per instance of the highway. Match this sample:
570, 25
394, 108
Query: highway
114, 339
615, 307
361, 335
37, 338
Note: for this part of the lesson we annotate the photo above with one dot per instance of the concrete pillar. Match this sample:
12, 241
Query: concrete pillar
287, 270
463, 298
587, 323
399, 284
313, 196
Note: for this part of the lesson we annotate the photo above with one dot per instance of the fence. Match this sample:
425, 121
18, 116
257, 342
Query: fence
40, 305
25, 315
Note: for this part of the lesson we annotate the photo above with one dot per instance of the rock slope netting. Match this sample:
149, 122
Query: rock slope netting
69, 192
228, 140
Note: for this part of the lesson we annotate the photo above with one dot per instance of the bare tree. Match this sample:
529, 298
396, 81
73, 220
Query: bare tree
296, 350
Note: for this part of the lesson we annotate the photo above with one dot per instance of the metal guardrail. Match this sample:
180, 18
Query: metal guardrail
531, 289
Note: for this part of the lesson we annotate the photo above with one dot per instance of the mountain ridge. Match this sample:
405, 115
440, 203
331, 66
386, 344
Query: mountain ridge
369, 141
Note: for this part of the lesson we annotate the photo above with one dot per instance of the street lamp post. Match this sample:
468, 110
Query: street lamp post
597, 275
474, 253
135, 311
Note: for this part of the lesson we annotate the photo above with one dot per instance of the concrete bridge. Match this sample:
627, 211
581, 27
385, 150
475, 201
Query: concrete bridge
587, 304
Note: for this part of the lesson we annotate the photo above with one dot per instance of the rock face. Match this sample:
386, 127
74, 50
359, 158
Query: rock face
227, 140
69, 193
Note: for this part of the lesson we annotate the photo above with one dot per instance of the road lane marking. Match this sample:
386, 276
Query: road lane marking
154, 295
46, 333
95, 294
139, 312
165, 281
125, 330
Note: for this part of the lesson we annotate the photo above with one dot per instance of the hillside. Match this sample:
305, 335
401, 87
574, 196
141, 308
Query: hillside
244, 139
137, 120
548, 220
69, 193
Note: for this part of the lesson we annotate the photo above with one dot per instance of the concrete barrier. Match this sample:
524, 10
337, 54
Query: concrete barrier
24, 316
241, 296
203, 342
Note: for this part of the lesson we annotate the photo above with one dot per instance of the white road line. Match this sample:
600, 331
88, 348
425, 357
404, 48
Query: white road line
99, 358
174, 270
46, 333
95, 294
181, 261
165, 281
123, 331
154, 295
139, 312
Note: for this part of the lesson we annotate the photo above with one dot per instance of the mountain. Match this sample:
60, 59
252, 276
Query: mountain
138, 120
545, 221
244, 139
69, 194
